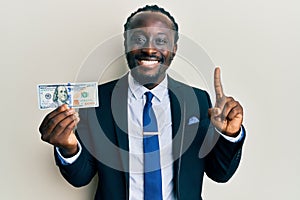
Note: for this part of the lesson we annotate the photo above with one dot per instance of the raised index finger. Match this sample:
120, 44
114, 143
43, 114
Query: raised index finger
217, 83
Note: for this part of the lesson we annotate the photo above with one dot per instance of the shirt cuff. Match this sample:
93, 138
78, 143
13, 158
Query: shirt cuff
236, 139
68, 161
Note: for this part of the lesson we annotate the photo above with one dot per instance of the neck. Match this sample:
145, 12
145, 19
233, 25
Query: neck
150, 86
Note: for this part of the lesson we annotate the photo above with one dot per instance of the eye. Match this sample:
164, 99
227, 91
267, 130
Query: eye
161, 41
138, 40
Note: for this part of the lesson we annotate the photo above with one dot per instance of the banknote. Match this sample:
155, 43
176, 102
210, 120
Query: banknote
76, 95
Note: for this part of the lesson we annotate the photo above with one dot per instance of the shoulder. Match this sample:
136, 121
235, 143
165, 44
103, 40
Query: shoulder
188, 90
196, 100
115, 89
108, 87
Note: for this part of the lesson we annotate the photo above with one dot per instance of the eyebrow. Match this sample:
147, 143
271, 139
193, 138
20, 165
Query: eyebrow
143, 32
161, 34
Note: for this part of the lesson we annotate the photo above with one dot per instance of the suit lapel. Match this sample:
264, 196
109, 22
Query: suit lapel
184, 104
176, 112
178, 118
119, 111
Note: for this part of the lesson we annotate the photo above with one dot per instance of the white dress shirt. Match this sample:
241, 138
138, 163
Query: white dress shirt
162, 110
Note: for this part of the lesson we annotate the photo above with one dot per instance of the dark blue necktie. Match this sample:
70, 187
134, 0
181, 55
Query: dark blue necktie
152, 172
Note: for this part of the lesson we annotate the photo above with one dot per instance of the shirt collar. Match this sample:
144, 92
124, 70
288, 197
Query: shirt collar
138, 90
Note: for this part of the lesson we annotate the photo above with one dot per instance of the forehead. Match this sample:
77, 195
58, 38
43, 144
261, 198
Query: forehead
150, 19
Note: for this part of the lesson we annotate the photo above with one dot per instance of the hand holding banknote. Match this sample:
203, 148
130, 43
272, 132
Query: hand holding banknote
57, 129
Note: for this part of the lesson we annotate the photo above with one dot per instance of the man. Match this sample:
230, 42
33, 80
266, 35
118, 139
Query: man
111, 140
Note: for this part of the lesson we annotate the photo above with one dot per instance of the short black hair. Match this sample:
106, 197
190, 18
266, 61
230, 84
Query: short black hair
153, 8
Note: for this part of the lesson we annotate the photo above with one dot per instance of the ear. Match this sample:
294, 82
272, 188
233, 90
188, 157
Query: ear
125, 42
174, 50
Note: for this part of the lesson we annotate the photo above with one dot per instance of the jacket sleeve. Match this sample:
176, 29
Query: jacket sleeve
224, 158
84, 168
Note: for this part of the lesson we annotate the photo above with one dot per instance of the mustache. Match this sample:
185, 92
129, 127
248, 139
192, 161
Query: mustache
149, 57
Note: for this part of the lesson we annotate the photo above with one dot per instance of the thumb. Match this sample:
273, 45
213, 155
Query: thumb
214, 114
210, 112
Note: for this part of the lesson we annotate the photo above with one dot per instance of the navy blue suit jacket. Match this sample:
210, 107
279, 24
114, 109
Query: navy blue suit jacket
102, 132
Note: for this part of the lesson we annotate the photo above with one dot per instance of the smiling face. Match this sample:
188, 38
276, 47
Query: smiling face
150, 47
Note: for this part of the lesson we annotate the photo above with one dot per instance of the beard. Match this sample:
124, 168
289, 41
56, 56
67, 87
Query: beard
144, 76
148, 79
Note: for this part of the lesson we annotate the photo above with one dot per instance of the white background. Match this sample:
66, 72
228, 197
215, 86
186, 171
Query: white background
256, 43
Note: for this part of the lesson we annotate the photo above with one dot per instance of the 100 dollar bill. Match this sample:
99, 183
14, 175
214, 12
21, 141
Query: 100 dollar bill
76, 95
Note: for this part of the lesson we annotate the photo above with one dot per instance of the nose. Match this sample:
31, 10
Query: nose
149, 48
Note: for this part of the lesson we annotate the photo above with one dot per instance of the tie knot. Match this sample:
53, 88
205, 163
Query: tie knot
149, 97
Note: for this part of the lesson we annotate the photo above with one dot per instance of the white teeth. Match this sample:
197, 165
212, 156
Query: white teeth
149, 62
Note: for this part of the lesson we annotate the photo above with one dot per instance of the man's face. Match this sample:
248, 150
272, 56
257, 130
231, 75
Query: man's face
150, 46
